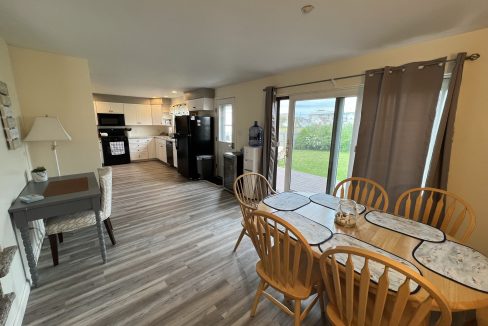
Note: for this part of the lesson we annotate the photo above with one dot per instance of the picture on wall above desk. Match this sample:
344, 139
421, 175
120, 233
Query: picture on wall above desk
12, 134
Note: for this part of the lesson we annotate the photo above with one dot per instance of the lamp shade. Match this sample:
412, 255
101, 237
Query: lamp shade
47, 129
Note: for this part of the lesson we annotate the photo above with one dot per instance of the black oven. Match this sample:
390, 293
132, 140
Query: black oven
110, 119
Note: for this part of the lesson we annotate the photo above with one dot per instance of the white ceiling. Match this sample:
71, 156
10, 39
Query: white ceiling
150, 47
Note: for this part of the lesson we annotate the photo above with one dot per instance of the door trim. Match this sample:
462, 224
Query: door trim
218, 103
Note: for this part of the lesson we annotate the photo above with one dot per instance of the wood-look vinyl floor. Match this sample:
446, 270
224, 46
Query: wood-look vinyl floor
172, 265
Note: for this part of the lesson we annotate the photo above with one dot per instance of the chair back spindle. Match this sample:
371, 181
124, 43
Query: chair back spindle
355, 300
438, 208
363, 191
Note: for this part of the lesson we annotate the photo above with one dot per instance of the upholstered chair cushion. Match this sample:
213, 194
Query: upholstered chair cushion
81, 220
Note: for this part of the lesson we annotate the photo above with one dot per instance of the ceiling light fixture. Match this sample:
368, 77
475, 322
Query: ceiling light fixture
307, 9
174, 92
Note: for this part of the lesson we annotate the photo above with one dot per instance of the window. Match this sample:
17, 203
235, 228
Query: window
225, 123
435, 127
315, 138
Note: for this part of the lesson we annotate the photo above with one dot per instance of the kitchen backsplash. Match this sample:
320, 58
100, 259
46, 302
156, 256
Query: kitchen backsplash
143, 131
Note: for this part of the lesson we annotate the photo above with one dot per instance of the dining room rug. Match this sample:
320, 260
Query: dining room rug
396, 279
313, 232
405, 226
286, 201
460, 263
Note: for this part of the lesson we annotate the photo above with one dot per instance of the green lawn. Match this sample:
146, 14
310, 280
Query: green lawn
317, 162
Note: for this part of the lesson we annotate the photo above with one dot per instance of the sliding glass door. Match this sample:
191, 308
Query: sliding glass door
315, 136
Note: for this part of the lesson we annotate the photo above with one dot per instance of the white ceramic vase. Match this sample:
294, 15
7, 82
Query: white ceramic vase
39, 176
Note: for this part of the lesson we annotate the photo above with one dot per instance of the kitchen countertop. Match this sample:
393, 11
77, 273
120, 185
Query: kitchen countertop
147, 137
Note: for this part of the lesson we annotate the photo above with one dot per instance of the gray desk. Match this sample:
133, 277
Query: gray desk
55, 206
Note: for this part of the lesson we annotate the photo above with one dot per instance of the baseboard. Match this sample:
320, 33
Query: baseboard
22, 299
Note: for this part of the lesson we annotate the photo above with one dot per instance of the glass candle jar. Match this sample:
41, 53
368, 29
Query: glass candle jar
347, 213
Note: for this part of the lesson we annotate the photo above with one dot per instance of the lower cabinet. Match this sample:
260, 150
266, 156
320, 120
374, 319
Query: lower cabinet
161, 150
142, 148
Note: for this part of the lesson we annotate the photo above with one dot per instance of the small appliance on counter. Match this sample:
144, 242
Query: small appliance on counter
193, 137
115, 145
233, 167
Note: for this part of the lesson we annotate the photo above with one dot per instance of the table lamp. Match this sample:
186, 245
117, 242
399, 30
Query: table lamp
48, 129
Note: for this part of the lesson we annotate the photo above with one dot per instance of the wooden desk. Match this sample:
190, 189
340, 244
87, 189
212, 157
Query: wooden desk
53, 206
460, 298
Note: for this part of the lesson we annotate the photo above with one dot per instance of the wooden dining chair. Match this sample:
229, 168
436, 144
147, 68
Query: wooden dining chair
363, 191
57, 225
355, 300
250, 188
286, 263
438, 208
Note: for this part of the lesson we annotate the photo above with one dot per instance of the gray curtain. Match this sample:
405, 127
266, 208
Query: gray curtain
397, 116
270, 152
441, 155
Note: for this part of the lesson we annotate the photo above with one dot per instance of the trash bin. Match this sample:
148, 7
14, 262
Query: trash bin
205, 166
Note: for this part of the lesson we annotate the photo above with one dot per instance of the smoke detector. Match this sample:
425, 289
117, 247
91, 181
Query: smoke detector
307, 9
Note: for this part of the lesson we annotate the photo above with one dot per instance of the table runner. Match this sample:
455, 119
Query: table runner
313, 232
332, 202
286, 201
396, 279
405, 226
456, 262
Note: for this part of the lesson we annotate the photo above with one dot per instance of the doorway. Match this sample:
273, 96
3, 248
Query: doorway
315, 138
225, 131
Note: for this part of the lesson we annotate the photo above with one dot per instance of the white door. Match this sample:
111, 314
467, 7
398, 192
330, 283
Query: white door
225, 131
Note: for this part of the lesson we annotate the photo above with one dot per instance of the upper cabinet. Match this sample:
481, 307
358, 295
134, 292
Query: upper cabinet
200, 104
157, 114
109, 107
138, 114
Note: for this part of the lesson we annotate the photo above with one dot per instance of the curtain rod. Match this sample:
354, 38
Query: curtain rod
472, 57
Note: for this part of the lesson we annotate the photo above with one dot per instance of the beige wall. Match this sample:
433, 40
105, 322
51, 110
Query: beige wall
14, 167
468, 175
60, 86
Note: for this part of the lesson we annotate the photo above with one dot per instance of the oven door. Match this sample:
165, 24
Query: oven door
111, 120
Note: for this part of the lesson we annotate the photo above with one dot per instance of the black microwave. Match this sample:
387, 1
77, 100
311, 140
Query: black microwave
110, 119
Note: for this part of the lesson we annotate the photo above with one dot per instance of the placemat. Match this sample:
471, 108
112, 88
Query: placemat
396, 279
313, 232
63, 187
405, 226
457, 262
286, 201
332, 202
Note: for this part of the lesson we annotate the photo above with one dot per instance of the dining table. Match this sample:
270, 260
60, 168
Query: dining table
323, 232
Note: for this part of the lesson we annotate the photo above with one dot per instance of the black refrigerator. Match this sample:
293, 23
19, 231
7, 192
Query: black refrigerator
193, 136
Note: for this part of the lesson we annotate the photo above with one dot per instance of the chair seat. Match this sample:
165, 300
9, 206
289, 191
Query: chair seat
72, 222
300, 291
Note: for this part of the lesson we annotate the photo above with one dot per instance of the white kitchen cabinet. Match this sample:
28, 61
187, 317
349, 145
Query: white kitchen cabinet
157, 115
109, 107
137, 114
175, 156
140, 148
161, 150
151, 148
200, 104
